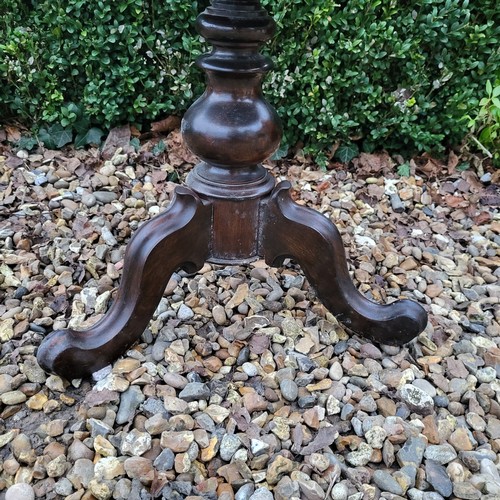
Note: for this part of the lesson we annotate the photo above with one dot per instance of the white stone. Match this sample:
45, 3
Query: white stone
250, 369
20, 491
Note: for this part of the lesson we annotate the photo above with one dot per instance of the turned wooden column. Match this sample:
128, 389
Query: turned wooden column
230, 212
232, 128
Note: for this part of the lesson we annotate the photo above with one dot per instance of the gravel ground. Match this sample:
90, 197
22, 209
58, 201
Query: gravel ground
244, 386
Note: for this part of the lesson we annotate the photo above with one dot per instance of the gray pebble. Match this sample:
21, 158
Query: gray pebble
194, 391
243, 356
417, 400
357, 426
229, 446
414, 494
105, 196
361, 456
98, 427
437, 477
339, 492
165, 460
20, 292
89, 200
489, 468
63, 487
185, 313
129, 402
307, 401
158, 350
32, 370
152, 406
347, 412
287, 373
245, 492
431, 495
412, 451
441, 401
219, 315
182, 487
289, 390
386, 482
340, 347
304, 362
177, 380
258, 447
194, 377
262, 494
336, 372
442, 453
426, 386
108, 237
486, 375
81, 473
303, 379
204, 421
391, 350
250, 369
466, 491
367, 404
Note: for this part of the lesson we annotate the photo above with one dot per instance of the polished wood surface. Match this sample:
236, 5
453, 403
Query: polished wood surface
177, 238
230, 211
314, 242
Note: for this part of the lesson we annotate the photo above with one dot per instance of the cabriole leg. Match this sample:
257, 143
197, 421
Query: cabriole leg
177, 238
314, 242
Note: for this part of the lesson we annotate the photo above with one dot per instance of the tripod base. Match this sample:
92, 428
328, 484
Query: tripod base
198, 228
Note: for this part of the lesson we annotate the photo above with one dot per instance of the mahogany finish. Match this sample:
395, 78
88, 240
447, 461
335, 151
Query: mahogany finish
231, 211
177, 238
314, 242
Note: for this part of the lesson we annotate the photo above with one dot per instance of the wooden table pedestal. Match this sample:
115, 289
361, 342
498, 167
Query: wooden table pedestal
230, 212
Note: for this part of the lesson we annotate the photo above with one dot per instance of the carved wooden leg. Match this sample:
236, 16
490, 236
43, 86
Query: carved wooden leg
177, 238
315, 243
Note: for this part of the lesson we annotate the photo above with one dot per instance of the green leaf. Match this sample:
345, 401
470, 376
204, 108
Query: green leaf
135, 143
489, 88
463, 166
56, 136
321, 160
404, 170
346, 152
358, 71
280, 153
82, 125
26, 142
173, 177
159, 148
45, 138
92, 136
485, 135
61, 135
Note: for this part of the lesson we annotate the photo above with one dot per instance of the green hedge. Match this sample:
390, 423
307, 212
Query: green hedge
396, 74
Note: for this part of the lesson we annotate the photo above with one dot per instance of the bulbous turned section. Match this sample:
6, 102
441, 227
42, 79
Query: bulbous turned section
232, 124
232, 127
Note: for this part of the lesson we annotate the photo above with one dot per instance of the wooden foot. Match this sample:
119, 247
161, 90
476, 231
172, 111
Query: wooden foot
231, 213
177, 238
314, 242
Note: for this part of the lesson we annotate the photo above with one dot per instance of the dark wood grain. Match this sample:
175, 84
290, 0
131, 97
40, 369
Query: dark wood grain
312, 240
232, 127
231, 212
177, 238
